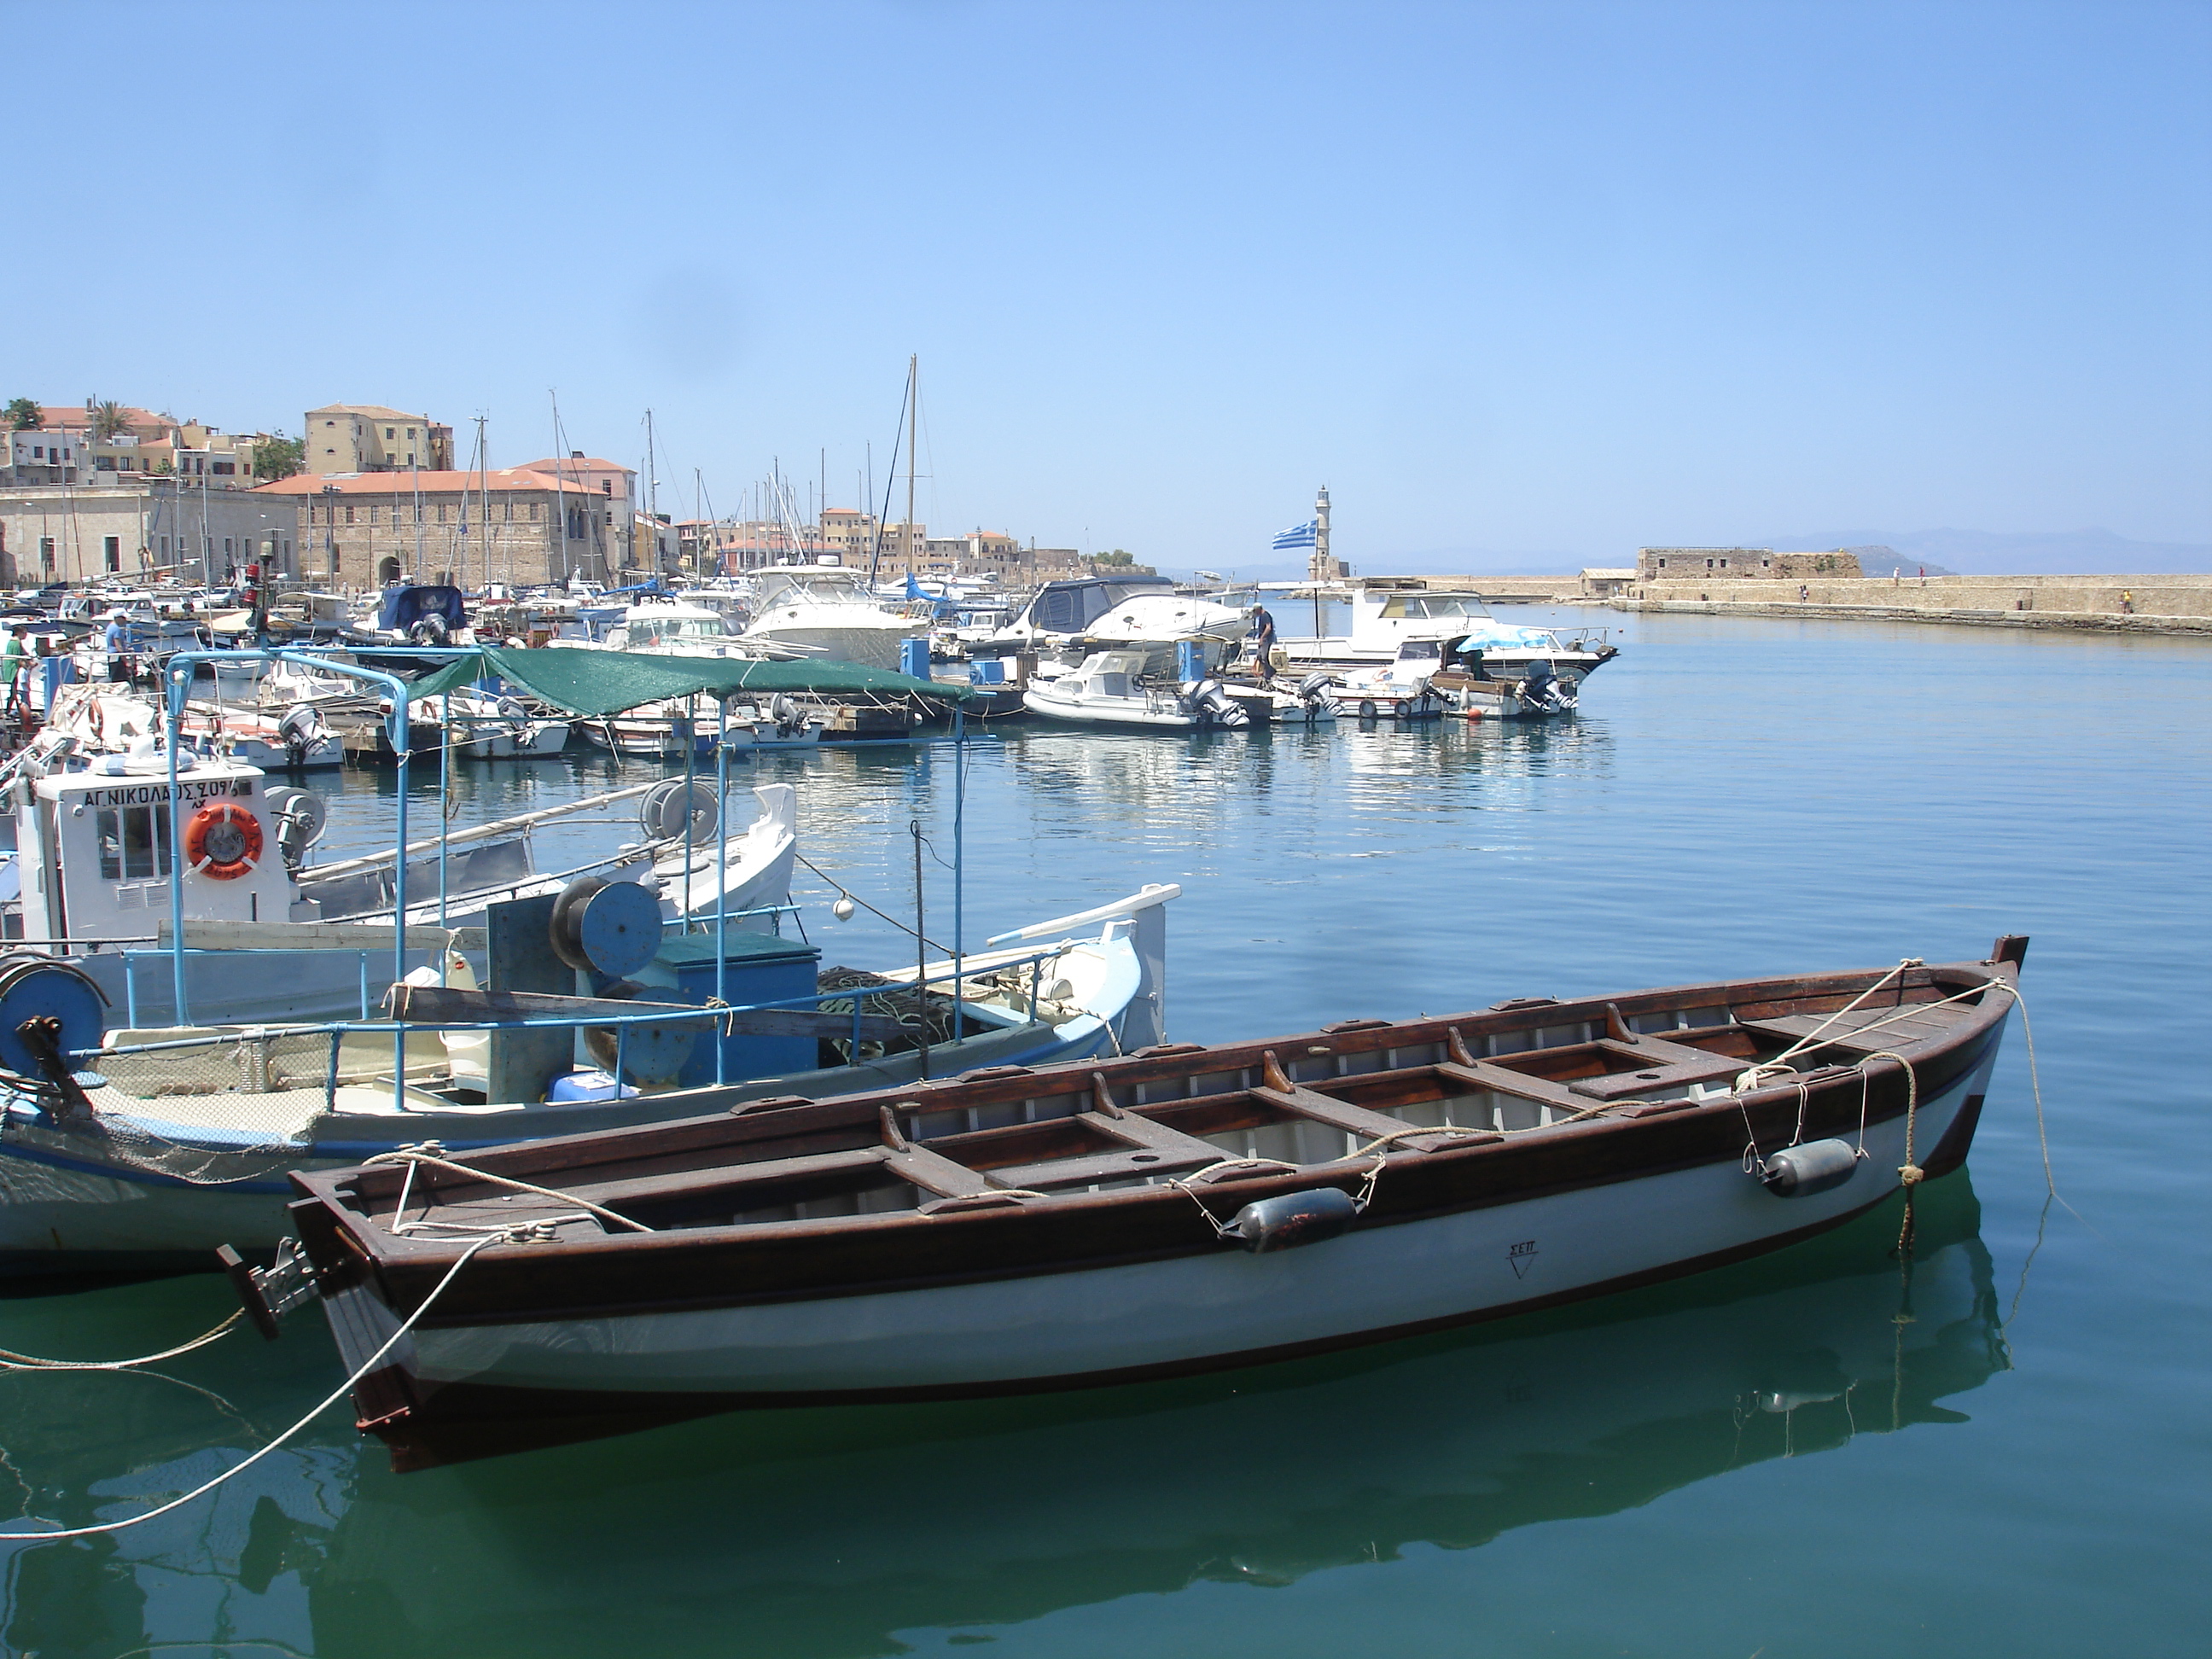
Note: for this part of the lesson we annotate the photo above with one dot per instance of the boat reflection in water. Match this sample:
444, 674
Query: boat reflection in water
824, 1531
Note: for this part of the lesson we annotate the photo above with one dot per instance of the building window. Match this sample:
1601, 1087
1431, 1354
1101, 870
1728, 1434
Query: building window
533, 512
411, 434
111, 546
387, 432
226, 547
372, 514
348, 513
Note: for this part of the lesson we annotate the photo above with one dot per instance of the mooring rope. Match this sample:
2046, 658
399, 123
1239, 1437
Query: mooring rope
410, 1155
238, 1469
12, 1361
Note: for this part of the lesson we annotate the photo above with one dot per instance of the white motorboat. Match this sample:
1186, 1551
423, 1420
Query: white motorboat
1110, 688
1386, 617
827, 612
1307, 701
671, 728
109, 718
1105, 611
480, 727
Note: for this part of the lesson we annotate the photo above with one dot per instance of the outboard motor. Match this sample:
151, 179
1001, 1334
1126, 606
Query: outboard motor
1543, 689
428, 628
785, 714
300, 730
1211, 705
1313, 691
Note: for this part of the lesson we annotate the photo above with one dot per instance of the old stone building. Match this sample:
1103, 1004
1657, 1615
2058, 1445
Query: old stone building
142, 529
370, 438
1690, 564
514, 525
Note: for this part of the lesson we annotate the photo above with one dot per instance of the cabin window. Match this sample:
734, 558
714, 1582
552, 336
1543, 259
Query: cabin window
134, 842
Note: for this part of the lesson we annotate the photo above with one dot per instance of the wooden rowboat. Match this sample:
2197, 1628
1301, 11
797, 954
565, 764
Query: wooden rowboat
1178, 1209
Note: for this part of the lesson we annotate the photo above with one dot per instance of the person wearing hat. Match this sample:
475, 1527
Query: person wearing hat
117, 640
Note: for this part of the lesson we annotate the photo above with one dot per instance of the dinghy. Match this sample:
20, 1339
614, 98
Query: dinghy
1173, 1210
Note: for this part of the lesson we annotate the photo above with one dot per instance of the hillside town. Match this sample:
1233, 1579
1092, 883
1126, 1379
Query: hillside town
369, 495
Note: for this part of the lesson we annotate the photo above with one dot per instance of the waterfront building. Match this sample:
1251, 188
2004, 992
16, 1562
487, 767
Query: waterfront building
514, 525
143, 528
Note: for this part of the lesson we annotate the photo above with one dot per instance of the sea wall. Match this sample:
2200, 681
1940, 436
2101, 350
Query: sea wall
2160, 604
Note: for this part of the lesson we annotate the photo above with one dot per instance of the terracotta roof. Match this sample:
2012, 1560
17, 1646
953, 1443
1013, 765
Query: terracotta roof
403, 482
75, 417
578, 468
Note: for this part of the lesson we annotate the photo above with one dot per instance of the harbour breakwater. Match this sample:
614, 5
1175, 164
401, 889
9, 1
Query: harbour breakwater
2157, 604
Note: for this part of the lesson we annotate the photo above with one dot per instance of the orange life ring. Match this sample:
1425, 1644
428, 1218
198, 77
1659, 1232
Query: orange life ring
223, 841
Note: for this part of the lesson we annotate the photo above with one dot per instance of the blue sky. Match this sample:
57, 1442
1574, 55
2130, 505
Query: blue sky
1515, 281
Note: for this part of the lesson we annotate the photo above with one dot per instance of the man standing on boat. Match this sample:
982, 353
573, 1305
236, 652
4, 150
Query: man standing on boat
117, 640
1261, 640
15, 672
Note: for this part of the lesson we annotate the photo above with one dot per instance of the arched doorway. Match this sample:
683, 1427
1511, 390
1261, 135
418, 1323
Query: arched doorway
387, 572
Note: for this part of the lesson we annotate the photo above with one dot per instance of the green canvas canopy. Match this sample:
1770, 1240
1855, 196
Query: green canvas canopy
600, 682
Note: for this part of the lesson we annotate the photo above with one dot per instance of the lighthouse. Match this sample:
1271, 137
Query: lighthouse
1320, 566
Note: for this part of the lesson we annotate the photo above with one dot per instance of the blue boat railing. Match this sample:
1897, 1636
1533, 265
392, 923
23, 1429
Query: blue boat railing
336, 1031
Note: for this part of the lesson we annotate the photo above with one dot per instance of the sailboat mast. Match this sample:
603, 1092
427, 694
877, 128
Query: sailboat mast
652, 495
913, 427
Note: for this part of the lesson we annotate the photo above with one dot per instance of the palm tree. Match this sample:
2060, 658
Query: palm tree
106, 417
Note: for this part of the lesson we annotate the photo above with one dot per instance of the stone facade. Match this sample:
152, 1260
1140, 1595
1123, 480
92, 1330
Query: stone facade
138, 530
370, 438
1689, 564
366, 531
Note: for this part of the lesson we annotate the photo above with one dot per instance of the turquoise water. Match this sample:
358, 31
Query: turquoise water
2001, 1447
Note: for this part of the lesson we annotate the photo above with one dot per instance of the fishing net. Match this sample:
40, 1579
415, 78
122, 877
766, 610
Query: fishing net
212, 1108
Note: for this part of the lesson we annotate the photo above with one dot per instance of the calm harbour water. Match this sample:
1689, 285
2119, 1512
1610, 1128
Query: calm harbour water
1819, 1454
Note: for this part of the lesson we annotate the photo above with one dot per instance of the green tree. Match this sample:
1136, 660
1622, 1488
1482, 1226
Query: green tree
280, 456
1116, 557
22, 415
107, 417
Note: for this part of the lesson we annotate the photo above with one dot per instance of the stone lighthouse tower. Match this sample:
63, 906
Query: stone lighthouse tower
1320, 566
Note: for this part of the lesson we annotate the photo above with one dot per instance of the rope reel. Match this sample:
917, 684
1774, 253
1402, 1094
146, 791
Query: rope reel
669, 804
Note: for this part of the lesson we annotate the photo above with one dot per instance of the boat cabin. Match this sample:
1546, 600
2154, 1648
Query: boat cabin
95, 852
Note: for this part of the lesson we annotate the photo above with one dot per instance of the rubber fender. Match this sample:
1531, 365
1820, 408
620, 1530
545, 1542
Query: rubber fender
1814, 1167
1293, 1218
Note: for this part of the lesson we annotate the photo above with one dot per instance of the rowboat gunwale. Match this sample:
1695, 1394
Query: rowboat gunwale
751, 1264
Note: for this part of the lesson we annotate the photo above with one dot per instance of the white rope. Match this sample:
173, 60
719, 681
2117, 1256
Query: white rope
409, 1156
367, 1366
12, 1361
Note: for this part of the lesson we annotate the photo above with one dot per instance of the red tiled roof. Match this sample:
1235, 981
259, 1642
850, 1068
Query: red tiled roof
403, 482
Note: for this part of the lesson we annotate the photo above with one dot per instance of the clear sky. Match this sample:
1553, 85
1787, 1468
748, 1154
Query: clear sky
1513, 279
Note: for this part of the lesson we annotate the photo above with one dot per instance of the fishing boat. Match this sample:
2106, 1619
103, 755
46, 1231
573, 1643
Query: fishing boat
1177, 1209
1111, 688
129, 1149
107, 718
674, 727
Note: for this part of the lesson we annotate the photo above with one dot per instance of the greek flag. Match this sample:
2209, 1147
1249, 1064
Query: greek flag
1298, 535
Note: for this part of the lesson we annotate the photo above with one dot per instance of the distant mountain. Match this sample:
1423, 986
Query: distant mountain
2007, 553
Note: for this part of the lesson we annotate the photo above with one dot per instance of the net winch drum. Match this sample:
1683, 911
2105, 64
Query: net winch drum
35, 986
300, 817
663, 811
1291, 1219
1814, 1167
610, 927
647, 1054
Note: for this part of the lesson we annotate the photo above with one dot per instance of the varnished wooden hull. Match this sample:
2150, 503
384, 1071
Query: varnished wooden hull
986, 1294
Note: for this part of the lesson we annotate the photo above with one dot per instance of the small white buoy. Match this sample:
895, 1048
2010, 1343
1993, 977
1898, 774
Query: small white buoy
842, 909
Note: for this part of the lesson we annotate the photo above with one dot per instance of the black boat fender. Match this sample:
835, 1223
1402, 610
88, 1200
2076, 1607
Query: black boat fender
1815, 1166
1291, 1219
